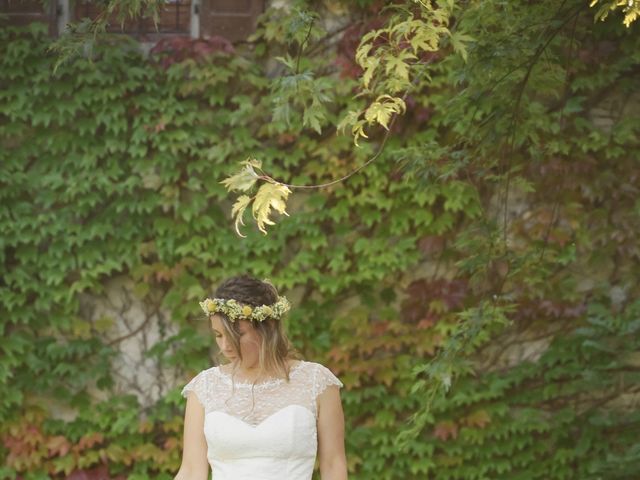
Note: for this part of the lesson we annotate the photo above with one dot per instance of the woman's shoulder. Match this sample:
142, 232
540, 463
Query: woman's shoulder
210, 371
320, 375
203, 382
308, 365
316, 365
205, 374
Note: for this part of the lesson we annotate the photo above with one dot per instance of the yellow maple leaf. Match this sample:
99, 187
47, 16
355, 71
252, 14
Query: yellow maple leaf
238, 209
246, 178
381, 110
270, 195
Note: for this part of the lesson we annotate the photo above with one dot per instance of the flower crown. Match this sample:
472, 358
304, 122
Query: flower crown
235, 310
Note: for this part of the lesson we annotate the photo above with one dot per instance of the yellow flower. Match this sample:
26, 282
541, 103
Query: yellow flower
210, 305
267, 310
246, 310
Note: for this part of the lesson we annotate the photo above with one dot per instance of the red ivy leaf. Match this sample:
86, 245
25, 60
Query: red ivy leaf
100, 472
88, 441
445, 430
58, 446
426, 322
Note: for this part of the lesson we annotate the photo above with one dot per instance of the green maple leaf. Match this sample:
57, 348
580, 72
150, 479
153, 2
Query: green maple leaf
459, 43
312, 117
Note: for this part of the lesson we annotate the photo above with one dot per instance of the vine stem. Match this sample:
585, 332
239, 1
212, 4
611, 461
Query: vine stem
306, 39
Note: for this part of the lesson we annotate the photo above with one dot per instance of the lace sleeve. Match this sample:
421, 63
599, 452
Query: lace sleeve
198, 385
324, 378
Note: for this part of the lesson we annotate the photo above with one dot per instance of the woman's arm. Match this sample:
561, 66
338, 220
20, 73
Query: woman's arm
333, 460
194, 464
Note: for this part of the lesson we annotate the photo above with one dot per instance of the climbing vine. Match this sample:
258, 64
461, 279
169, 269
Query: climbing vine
474, 287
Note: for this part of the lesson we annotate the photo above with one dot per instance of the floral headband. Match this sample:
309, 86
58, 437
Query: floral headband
234, 310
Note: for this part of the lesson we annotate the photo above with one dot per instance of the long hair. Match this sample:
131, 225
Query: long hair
275, 349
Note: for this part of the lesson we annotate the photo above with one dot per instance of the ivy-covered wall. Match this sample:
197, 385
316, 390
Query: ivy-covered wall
110, 170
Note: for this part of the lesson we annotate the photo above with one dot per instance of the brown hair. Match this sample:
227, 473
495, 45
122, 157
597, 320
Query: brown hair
275, 349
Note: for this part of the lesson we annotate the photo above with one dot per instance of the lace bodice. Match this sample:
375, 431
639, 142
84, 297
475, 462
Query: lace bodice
265, 431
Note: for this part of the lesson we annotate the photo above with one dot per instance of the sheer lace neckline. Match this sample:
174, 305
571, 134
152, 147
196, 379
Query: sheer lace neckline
226, 377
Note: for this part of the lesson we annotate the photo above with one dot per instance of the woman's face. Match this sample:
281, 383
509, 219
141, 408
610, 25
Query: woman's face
249, 342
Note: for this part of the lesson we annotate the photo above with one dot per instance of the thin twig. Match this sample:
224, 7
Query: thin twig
302, 47
534, 60
556, 205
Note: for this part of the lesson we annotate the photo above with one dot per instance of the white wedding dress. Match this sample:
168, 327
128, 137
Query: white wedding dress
262, 432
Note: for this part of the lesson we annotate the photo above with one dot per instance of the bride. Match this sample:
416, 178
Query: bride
266, 414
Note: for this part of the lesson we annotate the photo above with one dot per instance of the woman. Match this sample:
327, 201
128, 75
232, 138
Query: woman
264, 415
